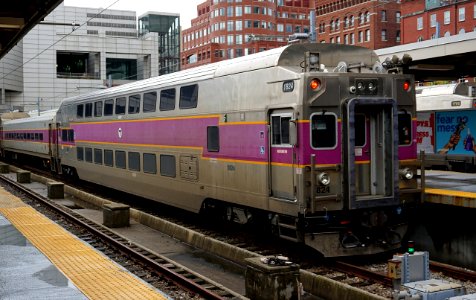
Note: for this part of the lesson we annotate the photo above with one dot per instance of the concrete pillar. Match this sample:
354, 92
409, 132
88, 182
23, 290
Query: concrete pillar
115, 215
272, 278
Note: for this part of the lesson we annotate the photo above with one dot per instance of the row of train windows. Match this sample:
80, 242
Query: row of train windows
119, 106
31, 136
128, 160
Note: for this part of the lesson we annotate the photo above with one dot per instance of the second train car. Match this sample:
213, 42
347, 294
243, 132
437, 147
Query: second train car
316, 140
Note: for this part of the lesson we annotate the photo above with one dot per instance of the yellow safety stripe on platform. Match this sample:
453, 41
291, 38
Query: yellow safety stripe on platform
450, 193
450, 197
92, 273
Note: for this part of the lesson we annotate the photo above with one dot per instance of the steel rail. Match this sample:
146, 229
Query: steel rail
149, 259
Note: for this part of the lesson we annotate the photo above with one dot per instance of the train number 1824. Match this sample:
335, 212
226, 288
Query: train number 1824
323, 189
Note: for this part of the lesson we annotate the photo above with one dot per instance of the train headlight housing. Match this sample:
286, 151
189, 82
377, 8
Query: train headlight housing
324, 178
406, 173
315, 84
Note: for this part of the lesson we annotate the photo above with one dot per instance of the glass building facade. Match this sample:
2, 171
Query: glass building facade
168, 28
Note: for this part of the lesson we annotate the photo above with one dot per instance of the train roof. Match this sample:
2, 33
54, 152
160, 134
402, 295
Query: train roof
464, 89
290, 57
47, 117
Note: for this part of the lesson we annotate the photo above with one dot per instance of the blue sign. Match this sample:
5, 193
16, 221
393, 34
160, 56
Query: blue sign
454, 132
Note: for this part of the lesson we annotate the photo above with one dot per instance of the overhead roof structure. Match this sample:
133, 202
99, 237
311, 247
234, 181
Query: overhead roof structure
17, 17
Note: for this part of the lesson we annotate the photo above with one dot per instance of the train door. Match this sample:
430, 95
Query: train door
282, 155
53, 145
370, 152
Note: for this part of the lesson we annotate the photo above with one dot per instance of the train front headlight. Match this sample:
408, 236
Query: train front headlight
324, 178
406, 173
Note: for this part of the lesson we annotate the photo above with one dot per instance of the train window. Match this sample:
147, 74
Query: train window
167, 99
121, 106
80, 153
404, 128
167, 165
88, 112
108, 107
133, 161
149, 102
188, 96
213, 139
41, 136
150, 163
108, 158
98, 109
98, 156
80, 110
280, 129
120, 159
88, 154
134, 104
323, 130
360, 131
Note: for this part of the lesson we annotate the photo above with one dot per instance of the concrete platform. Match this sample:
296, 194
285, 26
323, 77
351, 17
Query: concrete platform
41, 260
451, 188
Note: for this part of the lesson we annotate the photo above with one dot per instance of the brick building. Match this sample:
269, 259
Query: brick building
227, 29
373, 24
429, 19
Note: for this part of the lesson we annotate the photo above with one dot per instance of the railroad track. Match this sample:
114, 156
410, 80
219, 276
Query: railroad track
98, 235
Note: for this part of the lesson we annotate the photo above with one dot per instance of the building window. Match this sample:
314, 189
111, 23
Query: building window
229, 26
77, 65
352, 20
338, 40
352, 38
433, 20
337, 24
346, 39
361, 36
474, 11
384, 34
461, 14
367, 17
419, 23
446, 17
361, 18
238, 11
398, 16
420, 39
332, 25
398, 36
383, 14
239, 25
367, 35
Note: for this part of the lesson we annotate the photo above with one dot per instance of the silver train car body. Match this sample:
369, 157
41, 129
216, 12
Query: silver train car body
446, 123
315, 140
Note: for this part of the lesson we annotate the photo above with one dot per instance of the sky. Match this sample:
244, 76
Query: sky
186, 8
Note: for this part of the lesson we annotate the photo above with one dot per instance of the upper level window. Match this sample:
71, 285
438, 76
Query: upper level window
80, 110
134, 104
323, 130
383, 14
149, 102
121, 106
188, 96
88, 112
398, 16
108, 107
167, 99
98, 109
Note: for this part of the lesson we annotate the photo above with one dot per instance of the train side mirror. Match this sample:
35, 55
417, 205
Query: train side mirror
293, 132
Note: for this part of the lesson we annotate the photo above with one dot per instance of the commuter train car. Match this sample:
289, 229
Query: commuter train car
315, 140
446, 123
30, 137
